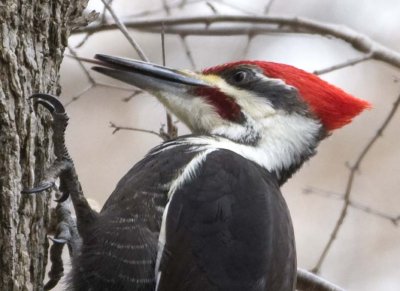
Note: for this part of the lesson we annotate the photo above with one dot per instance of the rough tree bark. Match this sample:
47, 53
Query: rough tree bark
33, 35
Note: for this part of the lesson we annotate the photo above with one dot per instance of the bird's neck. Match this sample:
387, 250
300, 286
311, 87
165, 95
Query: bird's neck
286, 142
283, 145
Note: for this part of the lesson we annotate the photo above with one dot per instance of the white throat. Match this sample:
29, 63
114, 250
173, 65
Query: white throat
285, 142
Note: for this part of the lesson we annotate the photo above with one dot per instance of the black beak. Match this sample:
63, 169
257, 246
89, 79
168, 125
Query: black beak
146, 76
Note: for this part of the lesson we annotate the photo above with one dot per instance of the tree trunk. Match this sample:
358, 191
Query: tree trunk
33, 36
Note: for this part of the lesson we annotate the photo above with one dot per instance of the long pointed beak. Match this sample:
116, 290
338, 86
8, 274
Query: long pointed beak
147, 76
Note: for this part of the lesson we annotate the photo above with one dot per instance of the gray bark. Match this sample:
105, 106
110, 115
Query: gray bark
33, 36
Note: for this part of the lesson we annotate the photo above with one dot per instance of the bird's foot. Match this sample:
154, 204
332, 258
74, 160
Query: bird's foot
64, 226
66, 233
49, 181
67, 230
63, 161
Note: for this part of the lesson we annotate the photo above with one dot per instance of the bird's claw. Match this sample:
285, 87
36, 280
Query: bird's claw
63, 162
41, 187
48, 182
64, 196
66, 233
58, 240
50, 102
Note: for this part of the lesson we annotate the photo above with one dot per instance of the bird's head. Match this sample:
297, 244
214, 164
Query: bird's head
248, 102
241, 94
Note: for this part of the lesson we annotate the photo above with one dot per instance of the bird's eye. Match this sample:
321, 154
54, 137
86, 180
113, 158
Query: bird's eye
240, 76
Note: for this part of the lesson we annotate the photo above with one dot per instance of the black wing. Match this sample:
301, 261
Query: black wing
228, 229
119, 251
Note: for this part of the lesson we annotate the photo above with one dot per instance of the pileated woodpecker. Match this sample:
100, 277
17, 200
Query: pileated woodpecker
204, 211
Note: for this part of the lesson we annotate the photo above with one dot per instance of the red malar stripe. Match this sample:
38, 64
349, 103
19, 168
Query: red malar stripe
226, 106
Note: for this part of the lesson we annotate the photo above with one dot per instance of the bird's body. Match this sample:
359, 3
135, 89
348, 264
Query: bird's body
221, 212
204, 212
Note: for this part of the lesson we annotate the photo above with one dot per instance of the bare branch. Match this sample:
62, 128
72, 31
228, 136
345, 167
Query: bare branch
163, 45
172, 130
248, 43
345, 64
166, 7
86, 71
308, 281
93, 82
330, 194
284, 24
134, 94
84, 40
103, 18
161, 9
125, 32
212, 7
79, 95
220, 31
118, 128
268, 6
350, 182
101, 84
188, 52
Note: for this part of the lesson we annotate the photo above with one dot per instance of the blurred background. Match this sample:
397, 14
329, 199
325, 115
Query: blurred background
366, 253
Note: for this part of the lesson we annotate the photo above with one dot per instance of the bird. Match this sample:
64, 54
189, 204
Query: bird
204, 211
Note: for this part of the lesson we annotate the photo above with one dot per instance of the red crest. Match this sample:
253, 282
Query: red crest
334, 107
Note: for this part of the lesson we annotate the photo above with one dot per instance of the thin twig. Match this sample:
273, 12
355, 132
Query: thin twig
267, 8
86, 71
163, 45
103, 18
307, 281
219, 31
166, 7
212, 7
350, 182
118, 128
188, 52
132, 95
125, 32
101, 84
96, 62
364, 208
79, 95
248, 43
250, 35
91, 80
172, 130
284, 24
345, 64
84, 40
160, 9
96, 84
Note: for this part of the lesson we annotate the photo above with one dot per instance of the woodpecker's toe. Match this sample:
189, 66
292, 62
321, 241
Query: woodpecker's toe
40, 188
58, 240
64, 196
50, 102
